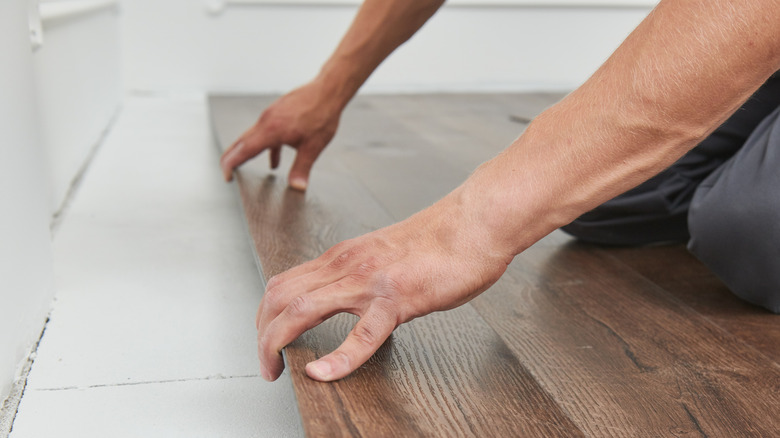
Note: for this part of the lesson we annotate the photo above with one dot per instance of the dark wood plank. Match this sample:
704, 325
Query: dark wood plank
445, 375
411, 150
677, 271
589, 367
622, 356
601, 343
464, 126
392, 162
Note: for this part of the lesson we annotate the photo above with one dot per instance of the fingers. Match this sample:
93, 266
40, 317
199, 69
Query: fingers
234, 157
277, 298
301, 314
245, 148
299, 271
304, 160
374, 327
227, 171
275, 157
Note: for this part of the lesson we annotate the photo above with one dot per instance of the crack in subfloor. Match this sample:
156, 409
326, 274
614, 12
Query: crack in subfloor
150, 382
11, 404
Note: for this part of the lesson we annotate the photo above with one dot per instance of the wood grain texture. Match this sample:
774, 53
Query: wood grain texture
677, 271
624, 357
445, 375
574, 340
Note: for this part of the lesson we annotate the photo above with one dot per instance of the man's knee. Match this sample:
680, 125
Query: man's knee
739, 240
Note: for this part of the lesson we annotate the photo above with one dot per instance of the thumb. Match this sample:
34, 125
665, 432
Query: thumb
299, 172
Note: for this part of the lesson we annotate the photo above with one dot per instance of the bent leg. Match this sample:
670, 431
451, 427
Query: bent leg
734, 218
657, 210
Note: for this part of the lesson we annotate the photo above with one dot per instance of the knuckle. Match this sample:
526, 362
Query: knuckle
274, 298
336, 249
267, 115
362, 273
365, 334
390, 284
391, 296
367, 267
298, 306
344, 259
273, 124
273, 283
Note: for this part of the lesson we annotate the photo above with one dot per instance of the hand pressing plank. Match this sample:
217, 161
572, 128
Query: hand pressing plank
436, 260
680, 74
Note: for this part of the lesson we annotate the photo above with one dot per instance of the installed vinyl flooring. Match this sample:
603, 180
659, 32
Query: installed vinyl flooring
574, 340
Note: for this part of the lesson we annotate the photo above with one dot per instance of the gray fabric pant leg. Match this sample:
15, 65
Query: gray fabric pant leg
657, 210
734, 218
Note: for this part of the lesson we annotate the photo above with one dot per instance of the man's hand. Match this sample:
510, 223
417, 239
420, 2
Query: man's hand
435, 260
307, 118
651, 102
302, 119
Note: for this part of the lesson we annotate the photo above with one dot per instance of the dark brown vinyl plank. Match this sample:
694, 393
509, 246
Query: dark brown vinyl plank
393, 162
447, 374
517, 107
611, 395
411, 150
677, 271
484, 123
473, 124
452, 132
624, 401
573, 340
622, 356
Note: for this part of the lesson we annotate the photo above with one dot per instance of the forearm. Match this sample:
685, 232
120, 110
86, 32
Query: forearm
379, 28
680, 74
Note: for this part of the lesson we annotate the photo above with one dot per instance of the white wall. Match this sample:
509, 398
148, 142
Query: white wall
55, 103
25, 254
176, 45
77, 75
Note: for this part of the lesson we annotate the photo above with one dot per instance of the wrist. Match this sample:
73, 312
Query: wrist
461, 224
507, 218
337, 85
524, 193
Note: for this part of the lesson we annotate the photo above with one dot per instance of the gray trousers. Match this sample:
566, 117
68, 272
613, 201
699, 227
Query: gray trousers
723, 198
734, 219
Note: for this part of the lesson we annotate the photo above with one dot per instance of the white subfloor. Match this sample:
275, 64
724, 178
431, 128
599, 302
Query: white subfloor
152, 331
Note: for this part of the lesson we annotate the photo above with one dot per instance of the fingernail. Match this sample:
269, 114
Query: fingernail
298, 184
321, 370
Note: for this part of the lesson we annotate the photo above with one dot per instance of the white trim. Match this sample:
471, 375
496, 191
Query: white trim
64, 10
218, 6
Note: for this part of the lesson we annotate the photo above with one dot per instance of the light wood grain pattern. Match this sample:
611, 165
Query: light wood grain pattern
573, 340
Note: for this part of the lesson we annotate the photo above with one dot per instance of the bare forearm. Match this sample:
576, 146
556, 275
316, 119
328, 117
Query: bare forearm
379, 28
682, 72
679, 75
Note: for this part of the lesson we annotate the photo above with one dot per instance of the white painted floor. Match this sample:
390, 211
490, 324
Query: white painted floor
152, 331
